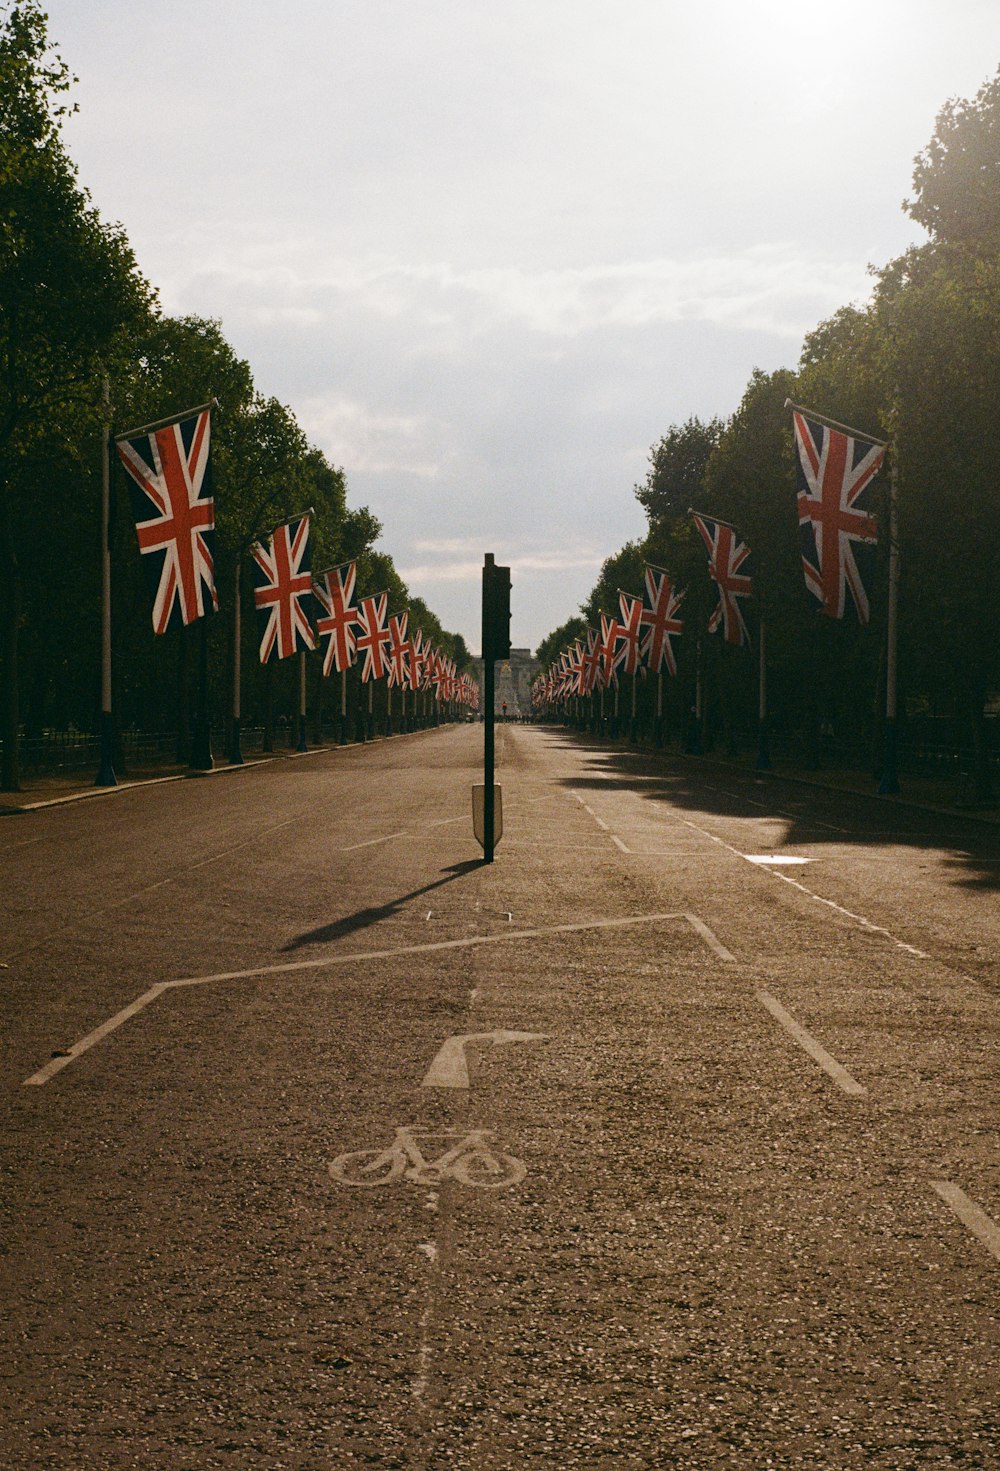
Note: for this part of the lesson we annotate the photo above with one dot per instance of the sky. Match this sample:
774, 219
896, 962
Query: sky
490, 251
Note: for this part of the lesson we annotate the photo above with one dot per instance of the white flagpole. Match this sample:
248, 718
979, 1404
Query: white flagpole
235, 753
763, 751
303, 745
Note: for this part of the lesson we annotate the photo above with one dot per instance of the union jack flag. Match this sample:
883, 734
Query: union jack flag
373, 636
834, 470
170, 481
282, 591
607, 665
334, 591
628, 632
418, 653
659, 619
727, 567
399, 649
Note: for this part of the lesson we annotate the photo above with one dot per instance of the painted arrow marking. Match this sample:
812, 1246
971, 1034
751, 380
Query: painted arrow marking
450, 1068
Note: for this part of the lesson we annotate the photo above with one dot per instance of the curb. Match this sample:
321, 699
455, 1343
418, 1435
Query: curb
88, 793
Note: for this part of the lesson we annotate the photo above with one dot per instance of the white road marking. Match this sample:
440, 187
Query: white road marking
359, 957
450, 1068
780, 859
619, 844
58, 1063
859, 919
371, 843
970, 1214
701, 928
808, 1043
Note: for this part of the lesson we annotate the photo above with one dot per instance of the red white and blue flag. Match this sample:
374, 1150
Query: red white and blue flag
338, 617
282, 592
418, 653
607, 668
170, 480
659, 621
834, 470
373, 636
399, 650
628, 632
729, 569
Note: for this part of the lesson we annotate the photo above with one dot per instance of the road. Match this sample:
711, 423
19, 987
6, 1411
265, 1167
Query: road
667, 1140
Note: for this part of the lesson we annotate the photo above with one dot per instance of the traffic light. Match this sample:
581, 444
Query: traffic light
496, 610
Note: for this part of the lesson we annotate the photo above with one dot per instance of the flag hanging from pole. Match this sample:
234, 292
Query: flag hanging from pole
660, 621
334, 591
170, 481
834, 469
372, 636
728, 567
399, 650
628, 632
282, 590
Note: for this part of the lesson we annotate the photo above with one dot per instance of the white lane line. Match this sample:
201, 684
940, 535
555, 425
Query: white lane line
780, 859
808, 1042
371, 843
859, 919
970, 1214
619, 844
446, 821
359, 957
701, 928
58, 1063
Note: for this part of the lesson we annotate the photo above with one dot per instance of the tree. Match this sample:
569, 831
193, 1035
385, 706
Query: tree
69, 287
677, 464
956, 179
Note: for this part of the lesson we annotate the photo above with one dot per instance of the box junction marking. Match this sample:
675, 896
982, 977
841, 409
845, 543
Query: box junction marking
63, 1059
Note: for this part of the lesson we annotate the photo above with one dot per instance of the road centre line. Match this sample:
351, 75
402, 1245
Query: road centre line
970, 1214
808, 1043
859, 919
56, 1064
372, 842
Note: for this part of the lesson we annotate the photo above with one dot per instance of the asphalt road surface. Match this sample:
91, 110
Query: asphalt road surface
667, 1140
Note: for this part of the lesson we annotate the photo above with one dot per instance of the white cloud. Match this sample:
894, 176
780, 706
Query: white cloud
356, 435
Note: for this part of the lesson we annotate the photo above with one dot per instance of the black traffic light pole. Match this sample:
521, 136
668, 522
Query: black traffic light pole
496, 645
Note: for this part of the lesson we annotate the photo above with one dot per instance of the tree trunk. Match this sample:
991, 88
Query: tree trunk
10, 614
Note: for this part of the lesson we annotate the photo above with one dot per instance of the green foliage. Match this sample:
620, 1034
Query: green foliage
676, 466
956, 179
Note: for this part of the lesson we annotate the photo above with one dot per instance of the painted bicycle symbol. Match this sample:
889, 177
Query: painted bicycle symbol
470, 1161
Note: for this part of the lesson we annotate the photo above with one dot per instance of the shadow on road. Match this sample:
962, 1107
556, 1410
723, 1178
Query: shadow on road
812, 814
362, 919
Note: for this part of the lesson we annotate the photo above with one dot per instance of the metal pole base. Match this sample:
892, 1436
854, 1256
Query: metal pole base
235, 751
889, 784
763, 750
201, 747
106, 771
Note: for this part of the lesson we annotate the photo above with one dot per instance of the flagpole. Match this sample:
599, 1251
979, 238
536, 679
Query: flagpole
633, 733
763, 746
890, 779
303, 744
343, 707
235, 752
213, 403
106, 771
371, 709
658, 728
388, 707
201, 744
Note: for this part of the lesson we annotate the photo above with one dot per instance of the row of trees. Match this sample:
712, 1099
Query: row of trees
917, 365
75, 310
